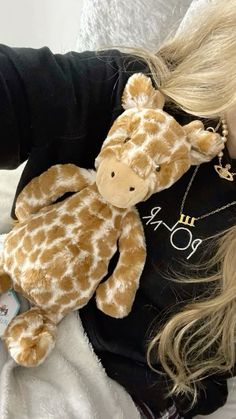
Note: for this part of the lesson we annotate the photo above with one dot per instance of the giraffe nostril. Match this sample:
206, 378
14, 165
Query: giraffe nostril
132, 188
112, 174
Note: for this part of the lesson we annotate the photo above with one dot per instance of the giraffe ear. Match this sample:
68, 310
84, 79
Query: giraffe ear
139, 93
205, 145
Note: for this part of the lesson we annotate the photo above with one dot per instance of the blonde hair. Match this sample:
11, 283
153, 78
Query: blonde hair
195, 70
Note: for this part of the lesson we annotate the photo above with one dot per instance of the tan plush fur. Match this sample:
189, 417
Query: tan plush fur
58, 253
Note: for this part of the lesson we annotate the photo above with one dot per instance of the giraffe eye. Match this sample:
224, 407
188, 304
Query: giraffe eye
112, 174
158, 168
127, 139
132, 188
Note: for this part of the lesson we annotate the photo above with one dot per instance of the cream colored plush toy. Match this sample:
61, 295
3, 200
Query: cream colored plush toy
58, 253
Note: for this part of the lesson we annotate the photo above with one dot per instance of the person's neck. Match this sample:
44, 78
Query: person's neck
231, 122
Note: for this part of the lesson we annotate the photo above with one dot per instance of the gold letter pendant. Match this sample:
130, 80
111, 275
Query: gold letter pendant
187, 220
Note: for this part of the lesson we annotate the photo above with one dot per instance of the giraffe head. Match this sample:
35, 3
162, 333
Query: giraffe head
146, 149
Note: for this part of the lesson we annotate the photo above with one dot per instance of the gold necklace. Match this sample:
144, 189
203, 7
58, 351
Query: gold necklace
223, 172
187, 219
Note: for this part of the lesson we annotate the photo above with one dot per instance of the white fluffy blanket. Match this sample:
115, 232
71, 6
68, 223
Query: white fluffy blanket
8, 183
70, 384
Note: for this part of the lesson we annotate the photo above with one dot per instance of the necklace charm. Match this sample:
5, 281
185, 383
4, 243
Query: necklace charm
224, 172
187, 220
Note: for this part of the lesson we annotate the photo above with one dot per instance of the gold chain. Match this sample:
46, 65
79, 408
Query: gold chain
223, 172
208, 213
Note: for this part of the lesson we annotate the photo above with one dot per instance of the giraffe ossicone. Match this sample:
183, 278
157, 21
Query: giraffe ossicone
58, 253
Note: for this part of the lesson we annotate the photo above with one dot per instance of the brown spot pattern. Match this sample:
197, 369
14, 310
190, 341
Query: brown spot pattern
65, 284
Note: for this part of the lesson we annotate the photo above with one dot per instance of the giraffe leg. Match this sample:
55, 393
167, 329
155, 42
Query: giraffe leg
30, 337
115, 296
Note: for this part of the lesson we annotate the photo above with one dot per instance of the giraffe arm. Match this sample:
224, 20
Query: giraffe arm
205, 144
115, 296
49, 186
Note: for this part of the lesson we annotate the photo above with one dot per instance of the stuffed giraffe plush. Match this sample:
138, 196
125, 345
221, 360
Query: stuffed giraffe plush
58, 252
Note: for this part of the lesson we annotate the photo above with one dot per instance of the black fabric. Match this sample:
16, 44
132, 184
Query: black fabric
58, 109
212, 395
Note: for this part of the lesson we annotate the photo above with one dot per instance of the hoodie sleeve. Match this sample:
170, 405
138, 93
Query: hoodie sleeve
45, 95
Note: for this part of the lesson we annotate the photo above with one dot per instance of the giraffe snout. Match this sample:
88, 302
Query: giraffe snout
119, 184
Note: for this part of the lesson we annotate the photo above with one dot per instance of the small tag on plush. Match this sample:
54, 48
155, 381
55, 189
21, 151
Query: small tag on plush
9, 307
